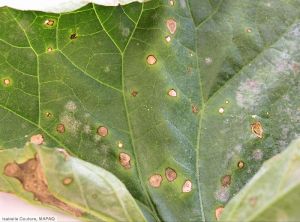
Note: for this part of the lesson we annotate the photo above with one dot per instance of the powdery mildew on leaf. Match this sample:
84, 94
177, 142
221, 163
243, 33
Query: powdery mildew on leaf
257, 201
187, 107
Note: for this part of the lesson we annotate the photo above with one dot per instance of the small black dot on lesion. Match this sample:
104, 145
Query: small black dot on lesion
73, 36
48, 115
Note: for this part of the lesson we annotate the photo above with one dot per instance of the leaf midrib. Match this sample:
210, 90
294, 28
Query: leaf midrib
145, 191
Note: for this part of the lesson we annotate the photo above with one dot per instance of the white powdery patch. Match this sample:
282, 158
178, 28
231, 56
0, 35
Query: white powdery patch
222, 194
58, 6
289, 130
87, 129
257, 154
296, 31
182, 3
71, 124
249, 93
71, 106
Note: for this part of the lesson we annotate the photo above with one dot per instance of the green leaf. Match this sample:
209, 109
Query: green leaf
219, 99
67, 183
273, 193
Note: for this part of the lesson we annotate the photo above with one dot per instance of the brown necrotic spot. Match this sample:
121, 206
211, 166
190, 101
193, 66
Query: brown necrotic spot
67, 180
219, 212
124, 159
73, 36
171, 174
31, 176
151, 60
226, 180
155, 180
102, 131
187, 186
49, 22
240, 164
49, 49
11, 169
134, 93
195, 108
257, 129
171, 25
60, 128
37, 139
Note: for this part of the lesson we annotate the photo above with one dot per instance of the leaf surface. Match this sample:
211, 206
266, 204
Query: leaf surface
273, 193
221, 92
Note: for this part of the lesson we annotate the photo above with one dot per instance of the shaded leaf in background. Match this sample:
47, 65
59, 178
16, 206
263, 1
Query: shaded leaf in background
219, 98
273, 193
93, 193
